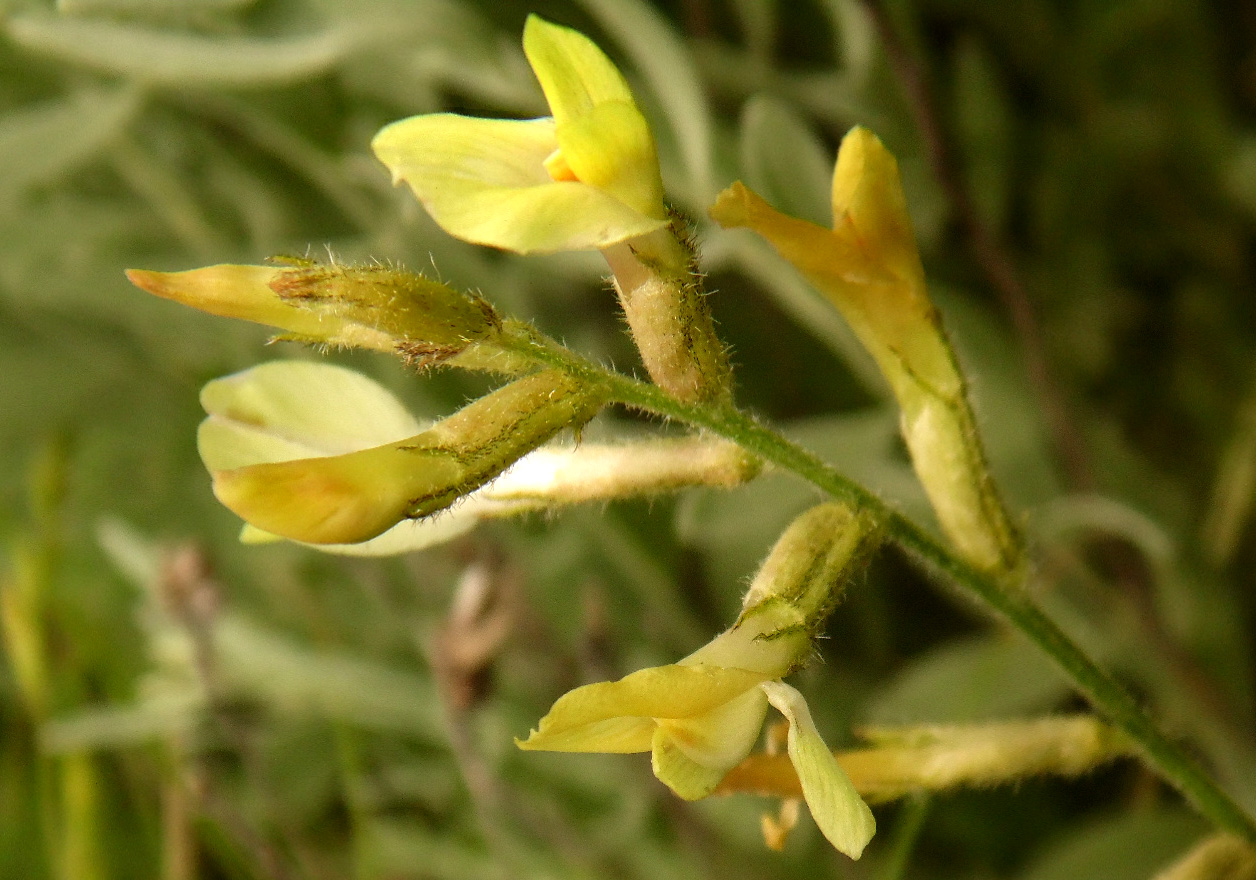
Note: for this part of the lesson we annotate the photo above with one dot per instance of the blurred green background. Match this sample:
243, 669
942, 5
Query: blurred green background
175, 705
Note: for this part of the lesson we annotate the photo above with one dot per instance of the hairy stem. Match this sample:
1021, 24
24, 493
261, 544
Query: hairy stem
1007, 598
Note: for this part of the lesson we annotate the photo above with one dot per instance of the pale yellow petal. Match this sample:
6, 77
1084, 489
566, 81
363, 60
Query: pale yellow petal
891, 315
837, 808
868, 195
441, 150
407, 536
684, 776
826, 259
722, 736
484, 181
613, 736
659, 692
691, 755
285, 410
339, 499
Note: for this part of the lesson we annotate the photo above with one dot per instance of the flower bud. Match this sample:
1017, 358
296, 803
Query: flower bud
246, 292
901, 761
940, 757
427, 322
602, 471
349, 498
377, 307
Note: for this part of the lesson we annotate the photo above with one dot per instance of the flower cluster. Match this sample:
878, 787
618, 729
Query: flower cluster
321, 455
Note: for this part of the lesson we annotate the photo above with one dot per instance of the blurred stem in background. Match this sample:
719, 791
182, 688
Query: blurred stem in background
67, 787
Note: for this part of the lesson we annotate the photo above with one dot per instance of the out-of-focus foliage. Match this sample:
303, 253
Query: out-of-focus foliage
282, 714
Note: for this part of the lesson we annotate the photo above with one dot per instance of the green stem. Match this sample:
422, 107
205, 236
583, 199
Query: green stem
907, 831
1008, 599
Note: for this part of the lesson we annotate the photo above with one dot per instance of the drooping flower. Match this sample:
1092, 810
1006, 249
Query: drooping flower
868, 266
701, 716
300, 410
357, 495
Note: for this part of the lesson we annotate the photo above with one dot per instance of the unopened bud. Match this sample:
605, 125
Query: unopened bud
427, 322
940, 757
246, 292
867, 265
379, 307
948, 458
599, 472
349, 498
811, 563
902, 761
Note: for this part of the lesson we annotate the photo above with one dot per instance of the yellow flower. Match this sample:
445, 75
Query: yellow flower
585, 178
701, 716
300, 410
700, 720
275, 481
867, 265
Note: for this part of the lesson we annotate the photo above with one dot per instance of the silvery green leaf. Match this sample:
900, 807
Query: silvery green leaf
785, 161
43, 142
288, 676
153, 9
158, 717
980, 678
180, 59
